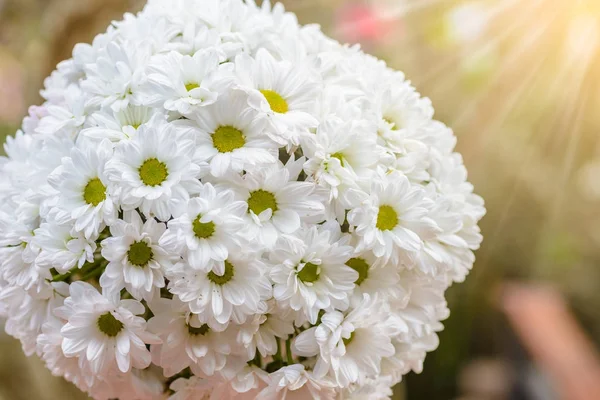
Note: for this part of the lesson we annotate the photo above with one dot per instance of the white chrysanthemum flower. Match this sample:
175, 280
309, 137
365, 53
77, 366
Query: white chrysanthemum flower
401, 114
349, 347
375, 278
83, 184
193, 37
18, 252
232, 290
262, 332
239, 184
61, 249
207, 229
184, 84
136, 261
341, 153
154, 171
192, 388
311, 274
294, 382
244, 386
277, 203
49, 344
115, 78
284, 93
185, 341
393, 222
65, 119
28, 311
231, 136
104, 332
32, 120
137, 384
119, 125
371, 389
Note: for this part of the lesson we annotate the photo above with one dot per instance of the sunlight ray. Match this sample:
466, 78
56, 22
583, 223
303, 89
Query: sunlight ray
508, 63
483, 48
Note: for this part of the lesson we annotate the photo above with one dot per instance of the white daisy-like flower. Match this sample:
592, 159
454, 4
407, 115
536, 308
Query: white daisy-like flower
207, 229
185, 341
114, 79
231, 136
294, 382
32, 120
371, 389
194, 36
402, 115
393, 222
185, 84
277, 203
83, 184
349, 347
119, 125
29, 310
191, 388
245, 385
49, 344
261, 332
233, 290
18, 252
375, 278
154, 171
143, 384
136, 261
61, 249
65, 119
341, 153
284, 93
311, 274
24, 275
104, 332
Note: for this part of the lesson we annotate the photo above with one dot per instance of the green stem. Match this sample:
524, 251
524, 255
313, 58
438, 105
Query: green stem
277, 356
258, 360
63, 277
68, 275
288, 350
96, 271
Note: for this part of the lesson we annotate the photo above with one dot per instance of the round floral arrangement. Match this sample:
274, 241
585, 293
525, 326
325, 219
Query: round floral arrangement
215, 202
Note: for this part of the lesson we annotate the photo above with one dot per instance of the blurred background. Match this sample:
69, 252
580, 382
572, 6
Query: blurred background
518, 80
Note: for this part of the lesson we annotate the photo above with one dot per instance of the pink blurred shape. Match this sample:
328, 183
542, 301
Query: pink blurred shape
363, 23
554, 339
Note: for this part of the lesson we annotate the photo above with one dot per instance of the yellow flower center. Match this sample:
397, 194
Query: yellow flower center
349, 340
94, 192
203, 230
387, 219
153, 172
139, 254
310, 273
360, 266
260, 200
227, 138
222, 279
191, 86
109, 325
390, 121
277, 103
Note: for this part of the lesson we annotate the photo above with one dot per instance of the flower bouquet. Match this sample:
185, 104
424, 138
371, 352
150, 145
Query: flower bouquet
216, 202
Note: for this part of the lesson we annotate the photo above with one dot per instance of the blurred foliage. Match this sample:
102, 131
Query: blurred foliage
518, 82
